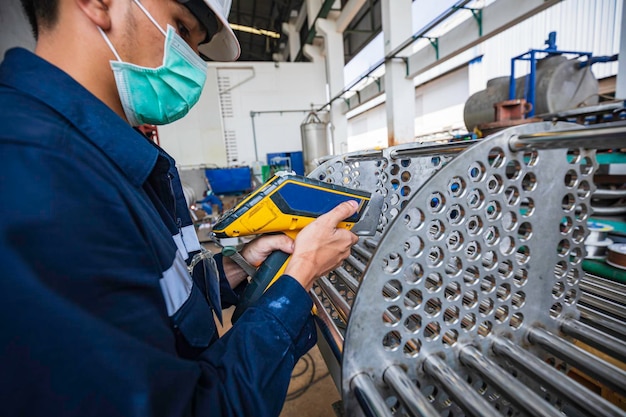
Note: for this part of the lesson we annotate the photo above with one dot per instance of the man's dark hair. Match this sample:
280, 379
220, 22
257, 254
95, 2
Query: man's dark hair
41, 13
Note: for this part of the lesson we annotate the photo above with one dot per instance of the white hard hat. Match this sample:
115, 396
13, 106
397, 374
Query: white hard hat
223, 44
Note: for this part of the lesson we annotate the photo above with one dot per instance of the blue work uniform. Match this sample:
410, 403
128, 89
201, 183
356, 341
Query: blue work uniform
99, 313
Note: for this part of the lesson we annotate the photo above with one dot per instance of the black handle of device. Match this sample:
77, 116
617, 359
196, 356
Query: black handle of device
260, 281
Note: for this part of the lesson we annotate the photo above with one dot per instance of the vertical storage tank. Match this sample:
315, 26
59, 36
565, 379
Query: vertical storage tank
315, 143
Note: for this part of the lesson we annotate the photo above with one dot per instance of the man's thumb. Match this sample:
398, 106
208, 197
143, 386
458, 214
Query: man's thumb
342, 211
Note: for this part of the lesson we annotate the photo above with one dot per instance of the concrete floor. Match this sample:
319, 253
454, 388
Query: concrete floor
312, 391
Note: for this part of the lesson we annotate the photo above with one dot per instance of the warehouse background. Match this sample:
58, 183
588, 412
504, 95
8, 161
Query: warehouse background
250, 109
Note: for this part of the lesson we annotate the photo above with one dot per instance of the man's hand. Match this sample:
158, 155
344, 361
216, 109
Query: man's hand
321, 247
255, 252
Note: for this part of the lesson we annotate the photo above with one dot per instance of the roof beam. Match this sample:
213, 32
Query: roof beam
348, 13
497, 17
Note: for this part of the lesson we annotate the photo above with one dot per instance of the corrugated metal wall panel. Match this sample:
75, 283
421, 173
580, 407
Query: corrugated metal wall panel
581, 25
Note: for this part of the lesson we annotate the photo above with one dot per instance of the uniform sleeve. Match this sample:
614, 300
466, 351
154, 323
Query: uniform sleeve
74, 364
265, 358
87, 335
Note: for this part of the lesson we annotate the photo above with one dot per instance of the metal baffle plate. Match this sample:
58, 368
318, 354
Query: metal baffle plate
396, 174
491, 244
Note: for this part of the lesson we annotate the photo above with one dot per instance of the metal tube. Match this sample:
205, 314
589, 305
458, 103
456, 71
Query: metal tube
370, 400
610, 375
256, 152
602, 193
232, 253
437, 149
531, 82
516, 392
359, 266
337, 301
361, 251
550, 377
618, 286
593, 138
371, 243
606, 343
608, 211
584, 111
335, 338
460, 391
364, 156
330, 340
347, 279
412, 398
602, 290
512, 80
603, 304
599, 319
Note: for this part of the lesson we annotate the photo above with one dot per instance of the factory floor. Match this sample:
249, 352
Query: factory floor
312, 392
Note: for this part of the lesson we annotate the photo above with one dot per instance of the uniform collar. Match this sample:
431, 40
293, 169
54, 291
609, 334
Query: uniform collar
35, 77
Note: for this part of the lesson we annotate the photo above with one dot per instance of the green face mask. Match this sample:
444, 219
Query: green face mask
160, 95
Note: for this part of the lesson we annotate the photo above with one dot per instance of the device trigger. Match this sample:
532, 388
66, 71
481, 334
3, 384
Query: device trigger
232, 253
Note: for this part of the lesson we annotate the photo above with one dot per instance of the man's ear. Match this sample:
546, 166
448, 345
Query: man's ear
97, 11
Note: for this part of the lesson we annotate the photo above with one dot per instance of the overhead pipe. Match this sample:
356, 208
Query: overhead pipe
254, 113
417, 35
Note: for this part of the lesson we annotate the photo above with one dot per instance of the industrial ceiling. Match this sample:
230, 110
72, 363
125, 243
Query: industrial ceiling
271, 14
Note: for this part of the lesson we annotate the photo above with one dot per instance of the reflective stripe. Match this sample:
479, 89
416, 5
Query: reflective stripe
190, 238
176, 284
187, 241
178, 239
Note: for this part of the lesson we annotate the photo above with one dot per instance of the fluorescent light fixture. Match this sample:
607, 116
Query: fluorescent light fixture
255, 31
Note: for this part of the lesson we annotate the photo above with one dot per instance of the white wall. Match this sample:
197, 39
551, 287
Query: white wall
14, 27
439, 103
368, 130
197, 139
267, 88
438, 106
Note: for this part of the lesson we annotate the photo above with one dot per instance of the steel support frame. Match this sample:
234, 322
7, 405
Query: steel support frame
496, 18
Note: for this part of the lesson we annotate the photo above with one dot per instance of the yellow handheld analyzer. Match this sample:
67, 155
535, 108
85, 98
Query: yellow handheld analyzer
285, 203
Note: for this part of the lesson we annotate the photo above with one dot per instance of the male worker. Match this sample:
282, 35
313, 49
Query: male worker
209, 200
99, 314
